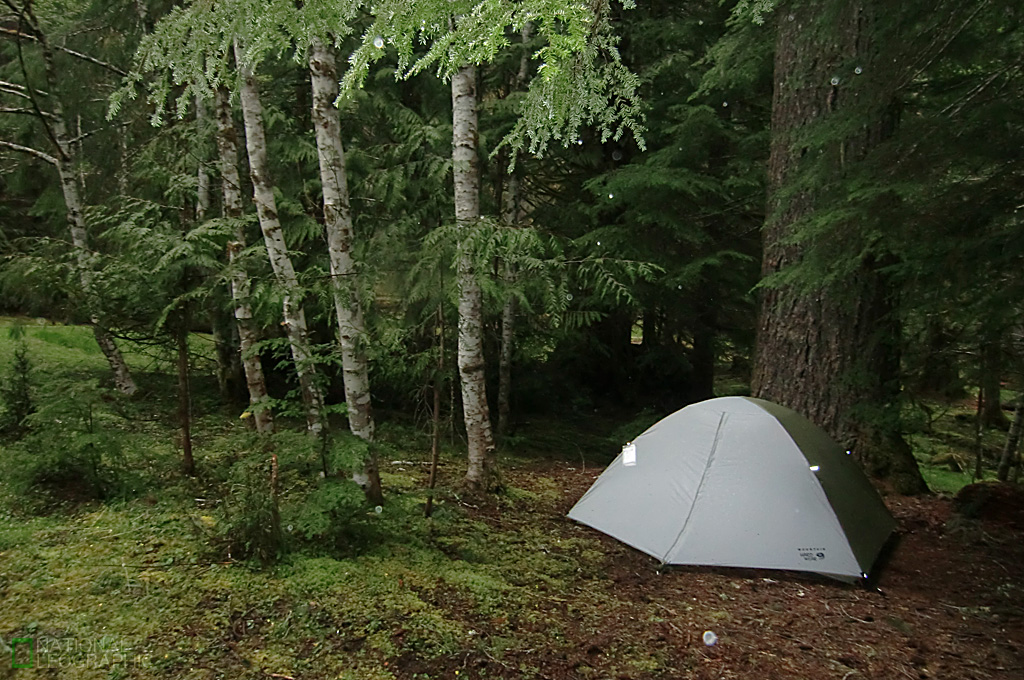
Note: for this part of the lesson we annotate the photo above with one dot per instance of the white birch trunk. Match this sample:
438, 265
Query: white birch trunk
227, 153
481, 472
277, 250
338, 225
76, 224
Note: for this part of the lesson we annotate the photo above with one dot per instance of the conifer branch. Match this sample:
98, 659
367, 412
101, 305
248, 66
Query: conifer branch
25, 14
66, 50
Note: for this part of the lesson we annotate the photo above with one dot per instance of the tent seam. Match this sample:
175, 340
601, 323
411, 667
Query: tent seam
700, 485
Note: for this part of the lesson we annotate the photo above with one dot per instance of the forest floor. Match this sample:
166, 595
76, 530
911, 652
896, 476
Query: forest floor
508, 589
145, 586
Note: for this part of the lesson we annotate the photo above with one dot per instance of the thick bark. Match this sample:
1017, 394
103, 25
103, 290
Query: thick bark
277, 249
76, 221
338, 225
482, 470
248, 336
830, 354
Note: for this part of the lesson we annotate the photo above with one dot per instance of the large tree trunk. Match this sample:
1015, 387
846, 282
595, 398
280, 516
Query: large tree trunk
338, 224
830, 354
277, 249
248, 336
482, 471
76, 221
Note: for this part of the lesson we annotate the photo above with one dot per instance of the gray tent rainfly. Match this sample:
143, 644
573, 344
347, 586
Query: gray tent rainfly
741, 482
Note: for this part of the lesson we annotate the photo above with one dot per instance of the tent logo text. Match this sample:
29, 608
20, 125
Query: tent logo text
812, 554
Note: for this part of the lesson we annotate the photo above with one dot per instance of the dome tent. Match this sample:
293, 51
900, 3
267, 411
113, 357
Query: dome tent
741, 482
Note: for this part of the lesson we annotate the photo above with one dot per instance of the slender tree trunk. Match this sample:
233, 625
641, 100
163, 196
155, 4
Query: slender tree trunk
248, 336
940, 374
702, 356
1012, 441
831, 354
122, 169
435, 416
202, 176
184, 397
991, 384
277, 249
224, 349
511, 217
482, 471
76, 221
338, 225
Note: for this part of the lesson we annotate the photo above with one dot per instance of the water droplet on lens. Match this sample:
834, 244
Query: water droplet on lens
568, 296
617, 155
835, 80
725, 103
378, 42
378, 509
710, 639
611, 195
858, 70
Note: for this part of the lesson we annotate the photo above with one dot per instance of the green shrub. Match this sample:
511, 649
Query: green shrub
15, 393
72, 452
332, 515
252, 522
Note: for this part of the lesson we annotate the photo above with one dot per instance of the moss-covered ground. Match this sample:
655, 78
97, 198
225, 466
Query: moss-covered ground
145, 584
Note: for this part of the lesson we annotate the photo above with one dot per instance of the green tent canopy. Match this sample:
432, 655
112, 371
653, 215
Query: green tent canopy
741, 482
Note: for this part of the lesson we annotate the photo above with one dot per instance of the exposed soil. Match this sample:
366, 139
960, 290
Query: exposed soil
950, 605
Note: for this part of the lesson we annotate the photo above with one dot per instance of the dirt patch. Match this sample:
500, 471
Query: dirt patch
996, 503
950, 605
